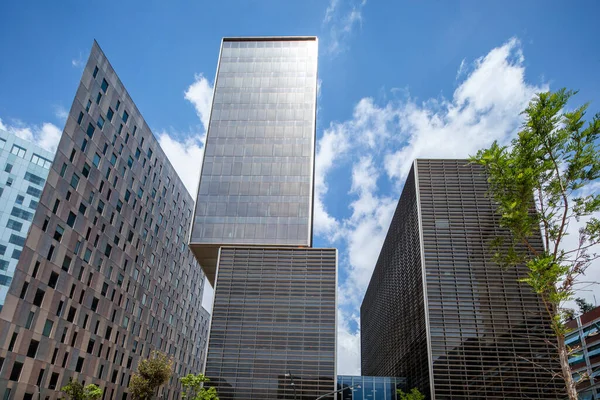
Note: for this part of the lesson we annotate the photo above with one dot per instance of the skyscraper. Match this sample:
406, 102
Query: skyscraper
105, 275
273, 325
23, 172
439, 311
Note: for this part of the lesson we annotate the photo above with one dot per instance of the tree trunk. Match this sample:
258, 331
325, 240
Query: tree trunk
570, 384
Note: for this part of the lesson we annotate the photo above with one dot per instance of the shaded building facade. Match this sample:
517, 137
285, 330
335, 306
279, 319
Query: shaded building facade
105, 275
439, 311
273, 319
23, 171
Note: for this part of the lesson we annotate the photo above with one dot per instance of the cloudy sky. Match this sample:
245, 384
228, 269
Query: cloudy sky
398, 80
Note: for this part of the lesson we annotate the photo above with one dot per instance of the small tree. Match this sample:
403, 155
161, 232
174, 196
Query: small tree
583, 305
76, 391
552, 164
414, 394
151, 374
194, 388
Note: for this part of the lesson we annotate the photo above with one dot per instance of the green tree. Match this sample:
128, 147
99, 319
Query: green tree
151, 374
551, 163
583, 305
76, 391
414, 394
194, 388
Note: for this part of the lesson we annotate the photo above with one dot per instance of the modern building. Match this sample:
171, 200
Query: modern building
23, 171
369, 387
584, 340
105, 275
273, 318
439, 311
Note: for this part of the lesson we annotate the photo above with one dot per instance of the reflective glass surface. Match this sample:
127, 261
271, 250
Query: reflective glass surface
369, 387
257, 176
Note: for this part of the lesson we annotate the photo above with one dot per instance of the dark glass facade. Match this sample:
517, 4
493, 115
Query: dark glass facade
256, 184
274, 314
369, 387
468, 328
105, 275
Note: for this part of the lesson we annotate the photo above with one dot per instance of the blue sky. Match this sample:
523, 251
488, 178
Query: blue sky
399, 80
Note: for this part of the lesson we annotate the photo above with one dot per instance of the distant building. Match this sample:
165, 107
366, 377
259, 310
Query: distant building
273, 319
439, 311
23, 171
584, 340
105, 275
369, 387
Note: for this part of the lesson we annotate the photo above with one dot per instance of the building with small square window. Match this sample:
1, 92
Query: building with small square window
105, 275
24, 168
440, 312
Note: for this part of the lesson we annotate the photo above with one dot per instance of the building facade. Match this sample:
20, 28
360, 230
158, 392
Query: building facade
273, 319
439, 311
369, 387
584, 340
105, 275
23, 171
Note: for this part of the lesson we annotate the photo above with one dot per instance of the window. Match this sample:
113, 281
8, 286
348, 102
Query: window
118, 105
71, 314
29, 320
72, 217
74, 181
41, 161
33, 204
24, 290
96, 160
125, 116
39, 297
107, 250
48, 328
113, 159
87, 107
16, 371
94, 304
14, 225
95, 71
8, 168
79, 365
2, 143
9, 181
13, 339
33, 347
87, 255
104, 85
59, 308
108, 333
53, 279
80, 118
18, 151
17, 212
90, 130
58, 233
138, 152
98, 98
16, 240
53, 378
90, 346
19, 200
120, 128
66, 263
100, 122
100, 207
36, 180
110, 114
86, 170
34, 192
130, 162
63, 169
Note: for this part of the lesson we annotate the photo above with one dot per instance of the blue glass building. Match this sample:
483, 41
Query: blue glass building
24, 168
369, 387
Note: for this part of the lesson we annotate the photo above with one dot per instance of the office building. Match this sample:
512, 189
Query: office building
23, 171
369, 387
105, 275
584, 340
439, 311
273, 319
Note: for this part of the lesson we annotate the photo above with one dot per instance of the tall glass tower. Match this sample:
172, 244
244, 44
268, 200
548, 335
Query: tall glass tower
273, 327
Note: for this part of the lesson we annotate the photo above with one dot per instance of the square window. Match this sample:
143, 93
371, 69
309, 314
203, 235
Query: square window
104, 85
19, 199
74, 181
96, 160
100, 122
110, 114
8, 168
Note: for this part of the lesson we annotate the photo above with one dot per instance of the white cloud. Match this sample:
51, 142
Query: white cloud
200, 95
348, 344
61, 113
379, 143
46, 136
461, 69
342, 19
78, 62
